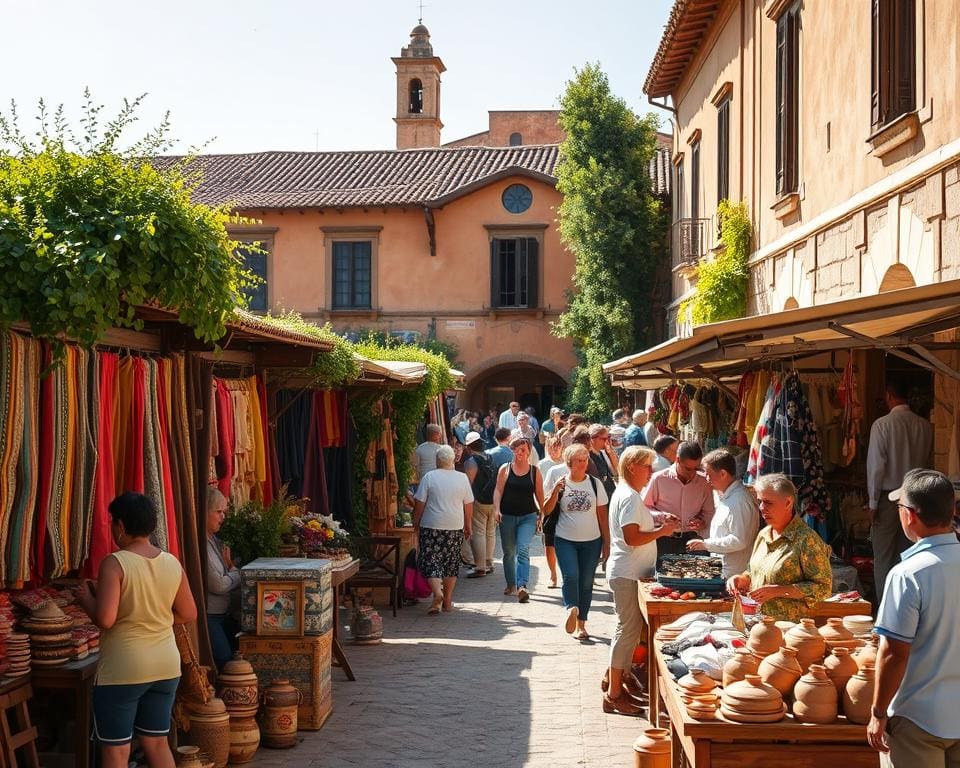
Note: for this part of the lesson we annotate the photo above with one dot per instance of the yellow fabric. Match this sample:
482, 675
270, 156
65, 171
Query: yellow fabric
140, 647
756, 400
256, 433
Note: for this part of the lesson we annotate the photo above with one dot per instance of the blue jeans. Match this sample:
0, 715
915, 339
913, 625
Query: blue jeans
578, 564
223, 637
516, 533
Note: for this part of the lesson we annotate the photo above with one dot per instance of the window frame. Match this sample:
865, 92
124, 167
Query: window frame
333, 235
265, 237
695, 180
723, 148
787, 100
894, 90
410, 99
534, 232
680, 189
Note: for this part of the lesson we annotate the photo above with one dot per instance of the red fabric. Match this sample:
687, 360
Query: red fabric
101, 539
267, 442
173, 535
333, 408
133, 473
225, 439
314, 471
46, 467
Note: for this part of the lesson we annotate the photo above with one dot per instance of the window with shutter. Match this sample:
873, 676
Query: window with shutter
695, 180
788, 100
679, 193
723, 150
893, 66
254, 258
514, 272
352, 274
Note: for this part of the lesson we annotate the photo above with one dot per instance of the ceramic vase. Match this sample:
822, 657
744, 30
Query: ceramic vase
807, 642
752, 701
867, 654
841, 666
237, 686
835, 635
858, 696
765, 637
188, 757
244, 739
697, 681
743, 662
210, 730
278, 715
652, 749
781, 670
815, 697
367, 626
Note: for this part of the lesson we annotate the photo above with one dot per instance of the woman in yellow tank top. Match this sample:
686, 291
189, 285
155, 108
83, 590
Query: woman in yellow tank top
141, 592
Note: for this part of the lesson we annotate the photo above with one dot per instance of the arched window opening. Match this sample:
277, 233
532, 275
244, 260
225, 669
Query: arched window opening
516, 139
416, 97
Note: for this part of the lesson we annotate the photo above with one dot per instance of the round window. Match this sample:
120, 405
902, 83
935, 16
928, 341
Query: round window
517, 198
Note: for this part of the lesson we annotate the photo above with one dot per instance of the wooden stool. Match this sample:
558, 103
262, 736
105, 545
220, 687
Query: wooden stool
14, 696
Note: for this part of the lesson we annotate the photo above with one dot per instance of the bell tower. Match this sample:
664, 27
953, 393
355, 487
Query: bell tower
418, 92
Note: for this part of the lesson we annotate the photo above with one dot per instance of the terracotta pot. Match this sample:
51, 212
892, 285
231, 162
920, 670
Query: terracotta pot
188, 757
805, 639
237, 686
278, 716
752, 700
697, 681
765, 637
210, 730
742, 663
815, 697
652, 749
835, 635
867, 654
840, 667
858, 696
781, 670
244, 739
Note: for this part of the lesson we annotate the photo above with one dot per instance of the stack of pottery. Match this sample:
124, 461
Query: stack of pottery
765, 637
867, 654
5, 629
835, 635
210, 729
781, 670
696, 682
49, 631
86, 640
752, 701
278, 716
18, 654
807, 642
840, 666
858, 695
701, 706
367, 626
652, 749
859, 626
743, 662
237, 686
815, 697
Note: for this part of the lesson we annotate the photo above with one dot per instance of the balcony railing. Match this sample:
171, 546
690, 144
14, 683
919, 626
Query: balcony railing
689, 242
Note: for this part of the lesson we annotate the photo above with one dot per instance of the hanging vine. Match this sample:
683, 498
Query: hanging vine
721, 291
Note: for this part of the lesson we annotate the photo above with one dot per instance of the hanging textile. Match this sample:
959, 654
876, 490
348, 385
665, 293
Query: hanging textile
333, 403
163, 446
268, 443
293, 427
101, 540
85, 385
338, 463
314, 469
152, 485
762, 434
382, 486
225, 439
12, 360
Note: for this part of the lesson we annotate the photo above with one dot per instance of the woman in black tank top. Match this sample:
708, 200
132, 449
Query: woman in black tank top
517, 502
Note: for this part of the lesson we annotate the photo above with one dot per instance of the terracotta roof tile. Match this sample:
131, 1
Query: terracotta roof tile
689, 23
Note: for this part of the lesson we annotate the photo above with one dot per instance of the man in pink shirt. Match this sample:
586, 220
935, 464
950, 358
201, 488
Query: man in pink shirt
680, 490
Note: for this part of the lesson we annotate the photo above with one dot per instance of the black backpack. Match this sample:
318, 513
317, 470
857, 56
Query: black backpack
485, 481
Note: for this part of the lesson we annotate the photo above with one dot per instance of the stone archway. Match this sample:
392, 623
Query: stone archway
530, 383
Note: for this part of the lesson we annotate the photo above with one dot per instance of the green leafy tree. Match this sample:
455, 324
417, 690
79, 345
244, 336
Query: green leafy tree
614, 225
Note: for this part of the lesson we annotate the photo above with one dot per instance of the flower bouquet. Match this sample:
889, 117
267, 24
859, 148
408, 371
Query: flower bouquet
320, 536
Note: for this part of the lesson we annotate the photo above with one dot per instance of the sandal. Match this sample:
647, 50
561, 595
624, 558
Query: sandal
476, 574
522, 595
622, 705
583, 635
552, 585
435, 608
510, 591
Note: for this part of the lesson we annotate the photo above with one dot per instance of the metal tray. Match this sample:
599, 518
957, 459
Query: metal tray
718, 585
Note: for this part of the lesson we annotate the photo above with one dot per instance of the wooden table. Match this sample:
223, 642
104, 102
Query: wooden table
17, 733
723, 744
340, 574
78, 677
657, 611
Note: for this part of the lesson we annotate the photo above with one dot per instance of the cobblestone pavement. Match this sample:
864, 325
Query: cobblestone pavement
495, 684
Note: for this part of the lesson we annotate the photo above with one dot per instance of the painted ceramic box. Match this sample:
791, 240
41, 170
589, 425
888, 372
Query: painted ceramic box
267, 577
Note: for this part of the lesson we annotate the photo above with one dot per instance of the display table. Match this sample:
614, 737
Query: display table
16, 731
657, 611
340, 575
78, 677
723, 744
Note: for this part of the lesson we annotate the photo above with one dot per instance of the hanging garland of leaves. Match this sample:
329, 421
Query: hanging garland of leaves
721, 292
335, 368
367, 422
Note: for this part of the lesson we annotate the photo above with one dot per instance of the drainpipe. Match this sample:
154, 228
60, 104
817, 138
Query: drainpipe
660, 105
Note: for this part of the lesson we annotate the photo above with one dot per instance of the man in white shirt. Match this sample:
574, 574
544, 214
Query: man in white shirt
427, 450
508, 419
736, 520
899, 442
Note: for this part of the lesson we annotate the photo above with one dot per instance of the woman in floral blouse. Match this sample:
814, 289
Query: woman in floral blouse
790, 566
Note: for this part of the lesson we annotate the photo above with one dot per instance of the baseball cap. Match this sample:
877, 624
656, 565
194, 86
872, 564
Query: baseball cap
472, 437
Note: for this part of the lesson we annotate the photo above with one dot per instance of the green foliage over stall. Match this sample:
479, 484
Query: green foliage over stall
721, 291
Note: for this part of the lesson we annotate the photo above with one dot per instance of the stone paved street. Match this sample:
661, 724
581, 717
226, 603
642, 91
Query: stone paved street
496, 684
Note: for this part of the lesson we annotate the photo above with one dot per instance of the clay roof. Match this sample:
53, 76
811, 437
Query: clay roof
360, 179
689, 22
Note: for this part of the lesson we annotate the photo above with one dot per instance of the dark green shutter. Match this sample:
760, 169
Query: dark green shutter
533, 273
494, 275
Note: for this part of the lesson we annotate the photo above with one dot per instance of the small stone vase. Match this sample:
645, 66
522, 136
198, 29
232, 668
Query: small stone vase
652, 749
781, 670
858, 696
807, 642
840, 666
743, 662
765, 637
815, 697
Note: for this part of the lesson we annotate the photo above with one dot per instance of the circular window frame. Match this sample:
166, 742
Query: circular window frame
513, 191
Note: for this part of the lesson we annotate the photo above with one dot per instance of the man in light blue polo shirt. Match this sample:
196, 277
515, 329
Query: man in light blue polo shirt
915, 720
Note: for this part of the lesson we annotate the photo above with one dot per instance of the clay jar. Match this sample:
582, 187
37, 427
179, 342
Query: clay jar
244, 739
752, 701
858, 696
742, 663
210, 730
807, 642
765, 637
237, 686
279, 715
652, 749
815, 697
840, 667
835, 635
867, 655
697, 681
188, 757
781, 670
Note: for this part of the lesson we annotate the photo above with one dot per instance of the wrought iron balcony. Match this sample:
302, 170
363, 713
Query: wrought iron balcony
689, 242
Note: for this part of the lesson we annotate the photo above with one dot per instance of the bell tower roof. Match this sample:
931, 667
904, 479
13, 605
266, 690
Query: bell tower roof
419, 44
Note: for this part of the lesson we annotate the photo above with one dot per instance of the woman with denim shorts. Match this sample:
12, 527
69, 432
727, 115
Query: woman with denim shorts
139, 595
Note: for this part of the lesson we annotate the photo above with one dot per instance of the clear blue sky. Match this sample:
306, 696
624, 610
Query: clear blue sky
269, 75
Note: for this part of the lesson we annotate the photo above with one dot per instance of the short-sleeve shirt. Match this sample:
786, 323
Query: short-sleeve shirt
578, 510
444, 492
920, 607
427, 457
627, 561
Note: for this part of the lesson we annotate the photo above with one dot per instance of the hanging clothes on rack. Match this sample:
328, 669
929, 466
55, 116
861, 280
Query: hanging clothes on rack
101, 540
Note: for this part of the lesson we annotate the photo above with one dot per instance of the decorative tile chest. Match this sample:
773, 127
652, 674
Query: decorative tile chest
260, 610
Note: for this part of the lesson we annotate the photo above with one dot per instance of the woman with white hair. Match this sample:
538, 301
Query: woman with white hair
442, 516
223, 583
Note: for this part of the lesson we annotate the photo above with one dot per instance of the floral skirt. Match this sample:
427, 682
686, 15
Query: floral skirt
438, 553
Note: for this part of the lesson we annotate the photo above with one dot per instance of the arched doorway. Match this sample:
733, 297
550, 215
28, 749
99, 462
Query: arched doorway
527, 383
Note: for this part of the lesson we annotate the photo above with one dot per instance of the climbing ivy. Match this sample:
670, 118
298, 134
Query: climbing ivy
721, 290
89, 231
367, 422
335, 368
